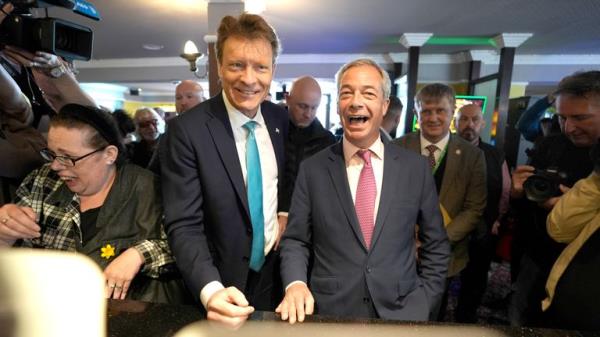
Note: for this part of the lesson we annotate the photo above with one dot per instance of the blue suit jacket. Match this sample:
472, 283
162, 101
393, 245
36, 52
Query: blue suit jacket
206, 208
323, 222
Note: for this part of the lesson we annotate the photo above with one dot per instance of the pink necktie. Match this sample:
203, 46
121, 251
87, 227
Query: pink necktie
366, 193
431, 148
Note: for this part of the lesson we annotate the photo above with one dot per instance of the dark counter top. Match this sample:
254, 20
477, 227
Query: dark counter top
132, 319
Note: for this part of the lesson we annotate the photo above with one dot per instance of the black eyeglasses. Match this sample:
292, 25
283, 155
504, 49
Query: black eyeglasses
148, 123
50, 156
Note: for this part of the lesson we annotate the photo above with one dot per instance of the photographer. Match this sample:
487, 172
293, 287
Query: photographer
46, 79
575, 220
560, 161
21, 107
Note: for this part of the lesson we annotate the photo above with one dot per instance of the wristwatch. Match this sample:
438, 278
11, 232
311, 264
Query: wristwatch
57, 72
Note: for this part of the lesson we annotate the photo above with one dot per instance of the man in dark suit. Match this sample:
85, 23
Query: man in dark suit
354, 210
222, 167
469, 123
458, 169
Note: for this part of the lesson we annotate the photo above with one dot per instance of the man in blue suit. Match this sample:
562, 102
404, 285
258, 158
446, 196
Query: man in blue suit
354, 210
222, 165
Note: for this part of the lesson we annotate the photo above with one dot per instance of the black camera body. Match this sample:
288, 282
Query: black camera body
544, 184
56, 36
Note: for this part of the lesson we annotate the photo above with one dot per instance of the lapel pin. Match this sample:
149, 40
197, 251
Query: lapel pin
458, 152
276, 130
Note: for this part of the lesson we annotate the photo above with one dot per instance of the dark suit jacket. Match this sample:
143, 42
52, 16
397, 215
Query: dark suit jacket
323, 222
463, 192
206, 207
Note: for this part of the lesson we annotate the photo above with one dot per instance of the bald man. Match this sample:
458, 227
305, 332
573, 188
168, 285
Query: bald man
306, 134
469, 124
188, 94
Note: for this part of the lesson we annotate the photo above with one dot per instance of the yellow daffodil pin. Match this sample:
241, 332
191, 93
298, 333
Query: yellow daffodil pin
108, 251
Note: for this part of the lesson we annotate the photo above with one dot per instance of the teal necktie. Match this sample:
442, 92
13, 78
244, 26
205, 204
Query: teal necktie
255, 198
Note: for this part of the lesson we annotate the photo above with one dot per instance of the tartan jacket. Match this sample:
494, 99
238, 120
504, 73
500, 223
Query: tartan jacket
131, 216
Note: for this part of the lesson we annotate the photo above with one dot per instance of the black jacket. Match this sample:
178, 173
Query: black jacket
301, 144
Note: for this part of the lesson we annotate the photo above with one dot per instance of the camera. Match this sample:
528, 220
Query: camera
544, 184
56, 36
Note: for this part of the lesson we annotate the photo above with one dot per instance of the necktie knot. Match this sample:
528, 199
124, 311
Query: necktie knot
431, 148
250, 126
365, 155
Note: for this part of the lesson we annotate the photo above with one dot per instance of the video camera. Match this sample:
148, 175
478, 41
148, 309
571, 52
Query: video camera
544, 184
56, 36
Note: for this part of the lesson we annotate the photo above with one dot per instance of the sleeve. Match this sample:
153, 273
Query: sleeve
296, 243
574, 210
156, 254
25, 198
184, 217
505, 196
529, 123
471, 213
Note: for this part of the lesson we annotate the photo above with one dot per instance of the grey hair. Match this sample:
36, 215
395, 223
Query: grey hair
386, 82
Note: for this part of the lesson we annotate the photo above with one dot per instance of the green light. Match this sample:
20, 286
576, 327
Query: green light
461, 41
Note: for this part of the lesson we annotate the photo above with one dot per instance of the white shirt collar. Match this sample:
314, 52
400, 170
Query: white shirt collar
351, 149
441, 145
237, 118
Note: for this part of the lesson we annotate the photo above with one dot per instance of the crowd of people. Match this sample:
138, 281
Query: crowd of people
239, 204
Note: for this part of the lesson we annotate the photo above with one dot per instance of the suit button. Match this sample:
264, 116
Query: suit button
366, 300
245, 259
369, 270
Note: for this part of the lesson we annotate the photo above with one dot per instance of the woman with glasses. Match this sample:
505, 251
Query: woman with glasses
85, 199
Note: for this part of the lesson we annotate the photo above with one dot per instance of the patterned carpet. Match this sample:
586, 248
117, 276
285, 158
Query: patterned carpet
493, 309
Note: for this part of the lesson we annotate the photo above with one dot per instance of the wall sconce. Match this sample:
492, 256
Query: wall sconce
191, 54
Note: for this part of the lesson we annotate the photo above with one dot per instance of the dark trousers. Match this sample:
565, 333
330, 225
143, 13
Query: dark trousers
474, 278
264, 290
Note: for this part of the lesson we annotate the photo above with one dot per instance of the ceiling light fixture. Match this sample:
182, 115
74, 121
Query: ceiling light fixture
191, 54
255, 6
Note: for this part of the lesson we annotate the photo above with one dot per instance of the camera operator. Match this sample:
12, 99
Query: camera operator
20, 140
575, 219
578, 108
46, 79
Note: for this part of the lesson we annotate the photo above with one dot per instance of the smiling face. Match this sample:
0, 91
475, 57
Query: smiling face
435, 116
91, 174
362, 104
246, 71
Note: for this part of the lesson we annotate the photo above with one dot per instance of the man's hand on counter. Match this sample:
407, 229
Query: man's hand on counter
297, 303
229, 307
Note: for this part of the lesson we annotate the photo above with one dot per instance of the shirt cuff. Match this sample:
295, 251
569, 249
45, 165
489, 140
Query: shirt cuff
209, 290
294, 282
285, 214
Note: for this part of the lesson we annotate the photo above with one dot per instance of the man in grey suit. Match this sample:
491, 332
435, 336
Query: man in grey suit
354, 210
458, 169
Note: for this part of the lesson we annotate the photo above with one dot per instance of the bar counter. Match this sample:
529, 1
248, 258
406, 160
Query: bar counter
133, 319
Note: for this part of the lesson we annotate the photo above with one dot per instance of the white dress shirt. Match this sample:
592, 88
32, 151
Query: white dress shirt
441, 145
269, 171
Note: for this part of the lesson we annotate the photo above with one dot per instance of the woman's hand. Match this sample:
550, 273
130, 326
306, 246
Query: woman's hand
17, 222
121, 271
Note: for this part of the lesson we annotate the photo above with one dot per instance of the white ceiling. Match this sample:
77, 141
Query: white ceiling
559, 27
350, 26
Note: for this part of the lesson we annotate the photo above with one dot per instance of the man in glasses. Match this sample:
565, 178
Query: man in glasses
149, 126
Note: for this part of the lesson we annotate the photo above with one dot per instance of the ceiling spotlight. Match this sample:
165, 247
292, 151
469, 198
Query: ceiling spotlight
191, 54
